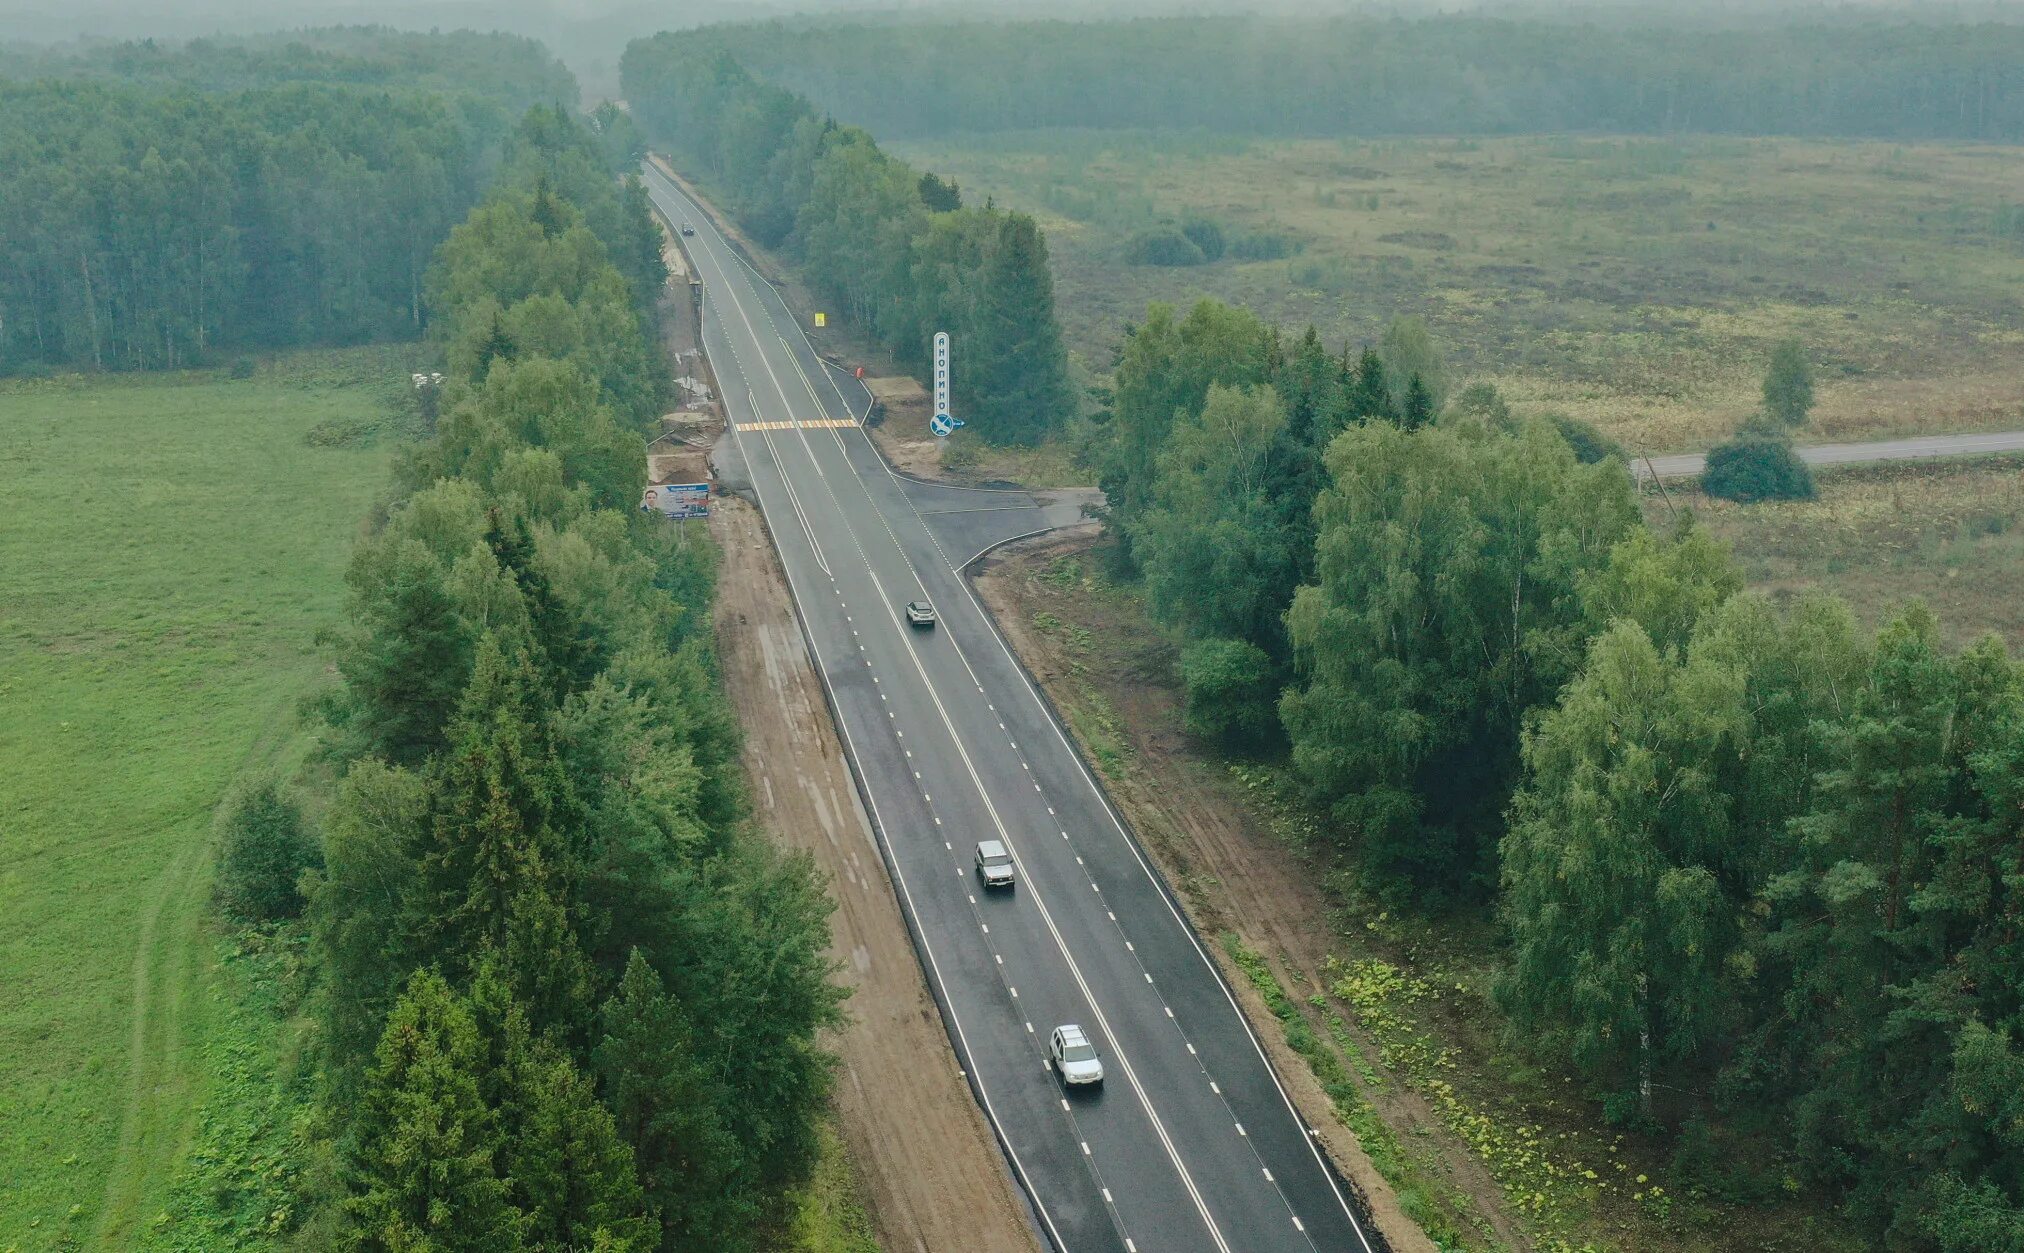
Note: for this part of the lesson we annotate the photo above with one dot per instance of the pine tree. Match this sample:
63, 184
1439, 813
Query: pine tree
1418, 408
547, 211
497, 789
407, 656
1369, 390
423, 1174
672, 1114
498, 346
1019, 369
568, 654
570, 1173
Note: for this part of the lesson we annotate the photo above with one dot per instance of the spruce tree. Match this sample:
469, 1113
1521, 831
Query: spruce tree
423, 1173
570, 1173
496, 789
1018, 371
1418, 408
672, 1113
1369, 389
407, 656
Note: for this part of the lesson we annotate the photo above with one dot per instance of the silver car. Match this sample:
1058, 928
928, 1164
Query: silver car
1074, 1056
994, 864
920, 613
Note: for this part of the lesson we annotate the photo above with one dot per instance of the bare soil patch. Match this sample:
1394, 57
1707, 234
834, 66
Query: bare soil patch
932, 1175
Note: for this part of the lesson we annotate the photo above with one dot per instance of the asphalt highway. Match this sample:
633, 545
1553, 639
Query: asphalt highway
1191, 1143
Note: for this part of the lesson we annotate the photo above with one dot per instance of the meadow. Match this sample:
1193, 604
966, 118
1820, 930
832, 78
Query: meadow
1638, 283
172, 546
1950, 533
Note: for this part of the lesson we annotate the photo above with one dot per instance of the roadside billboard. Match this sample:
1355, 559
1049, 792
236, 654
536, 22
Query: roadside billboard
678, 500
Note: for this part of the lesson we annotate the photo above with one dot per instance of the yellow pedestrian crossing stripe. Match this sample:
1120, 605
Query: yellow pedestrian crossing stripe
822, 423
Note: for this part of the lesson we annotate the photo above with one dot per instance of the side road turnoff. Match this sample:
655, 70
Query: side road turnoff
1189, 1143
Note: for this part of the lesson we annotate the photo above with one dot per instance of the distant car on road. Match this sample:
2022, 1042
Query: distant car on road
1074, 1056
994, 864
687, 229
920, 613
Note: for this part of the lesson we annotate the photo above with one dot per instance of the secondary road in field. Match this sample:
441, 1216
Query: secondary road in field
1191, 1143
1918, 448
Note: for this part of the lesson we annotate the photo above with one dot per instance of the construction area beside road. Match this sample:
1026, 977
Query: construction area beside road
932, 1176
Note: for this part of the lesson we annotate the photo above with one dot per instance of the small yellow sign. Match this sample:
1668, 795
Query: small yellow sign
821, 319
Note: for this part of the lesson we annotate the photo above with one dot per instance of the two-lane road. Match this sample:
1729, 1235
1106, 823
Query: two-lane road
1191, 1144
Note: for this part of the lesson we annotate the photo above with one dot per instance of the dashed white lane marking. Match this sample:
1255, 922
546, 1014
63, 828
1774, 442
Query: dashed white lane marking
1268, 1174
1085, 1148
1213, 1088
1241, 1131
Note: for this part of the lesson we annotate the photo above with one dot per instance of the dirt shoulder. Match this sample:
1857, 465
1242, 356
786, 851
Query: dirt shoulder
932, 1175
1234, 878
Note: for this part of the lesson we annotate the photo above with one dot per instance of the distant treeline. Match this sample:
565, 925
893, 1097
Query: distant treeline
513, 72
1761, 871
149, 227
1458, 74
895, 246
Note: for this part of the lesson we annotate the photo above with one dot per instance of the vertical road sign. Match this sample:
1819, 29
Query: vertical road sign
941, 423
821, 320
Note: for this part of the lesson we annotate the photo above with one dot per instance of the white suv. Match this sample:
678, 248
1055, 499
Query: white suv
994, 864
1074, 1056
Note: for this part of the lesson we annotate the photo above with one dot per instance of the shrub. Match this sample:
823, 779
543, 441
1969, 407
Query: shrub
1206, 235
1755, 465
1264, 246
1589, 444
1230, 691
960, 451
242, 368
264, 847
1163, 247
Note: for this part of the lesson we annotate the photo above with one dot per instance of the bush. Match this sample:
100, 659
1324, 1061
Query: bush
264, 847
1589, 444
1163, 247
1206, 235
1265, 246
242, 368
1232, 697
1754, 466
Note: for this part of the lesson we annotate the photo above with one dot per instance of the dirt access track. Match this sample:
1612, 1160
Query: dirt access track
932, 1176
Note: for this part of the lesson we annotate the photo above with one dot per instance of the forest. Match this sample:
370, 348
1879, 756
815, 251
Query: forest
1757, 868
896, 247
511, 72
565, 997
241, 198
1379, 75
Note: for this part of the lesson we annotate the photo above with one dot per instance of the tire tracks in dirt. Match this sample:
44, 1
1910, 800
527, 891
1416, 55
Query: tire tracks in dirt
931, 1172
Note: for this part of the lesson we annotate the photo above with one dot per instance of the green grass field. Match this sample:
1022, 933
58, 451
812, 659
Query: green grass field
1638, 283
171, 546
